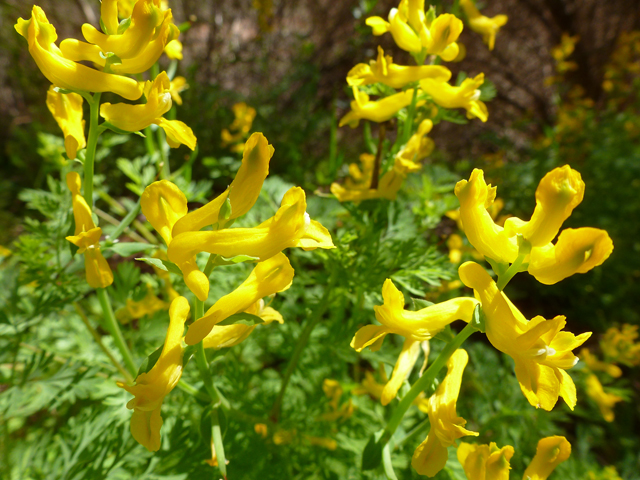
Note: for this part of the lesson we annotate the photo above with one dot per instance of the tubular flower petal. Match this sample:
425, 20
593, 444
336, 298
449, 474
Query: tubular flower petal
173, 49
485, 462
440, 38
151, 387
284, 230
418, 326
476, 197
418, 147
576, 251
446, 426
377, 111
379, 25
595, 365
163, 204
132, 118
268, 277
605, 401
178, 84
146, 16
485, 26
404, 36
61, 71
67, 110
226, 336
551, 452
109, 16
383, 70
559, 192
178, 133
541, 351
243, 191
405, 363
466, 96
87, 237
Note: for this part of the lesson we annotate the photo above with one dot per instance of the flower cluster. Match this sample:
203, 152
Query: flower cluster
422, 89
542, 351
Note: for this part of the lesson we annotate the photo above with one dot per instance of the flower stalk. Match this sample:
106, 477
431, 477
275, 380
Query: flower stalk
92, 142
114, 330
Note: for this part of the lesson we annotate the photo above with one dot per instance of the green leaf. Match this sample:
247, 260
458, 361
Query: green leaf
372, 454
420, 303
220, 260
124, 24
488, 91
242, 318
165, 265
478, 319
150, 361
225, 209
129, 248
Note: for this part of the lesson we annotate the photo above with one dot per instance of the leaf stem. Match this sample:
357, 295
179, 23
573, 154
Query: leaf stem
92, 142
426, 380
322, 306
127, 376
114, 330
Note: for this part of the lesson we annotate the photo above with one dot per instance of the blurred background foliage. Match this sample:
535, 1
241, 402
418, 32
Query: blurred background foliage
61, 415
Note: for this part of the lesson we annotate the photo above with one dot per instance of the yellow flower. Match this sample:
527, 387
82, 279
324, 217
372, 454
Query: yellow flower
333, 391
383, 70
466, 96
67, 110
576, 251
132, 118
551, 452
418, 147
242, 193
485, 462
414, 32
540, 350
226, 336
446, 426
289, 227
619, 345
261, 429
178, 84
63, 72
145, 18
173, 49
163, 204
485, 26
415, 326
357, 188
87, 237
151, 387
377, 111
244, 116
149, 305
271, 276
595, 365
605, 401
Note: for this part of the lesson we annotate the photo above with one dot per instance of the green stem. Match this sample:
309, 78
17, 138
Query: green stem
126, 221
96, 336
426, 380
216, 432
163, 165
382, 133
114, 330
92, 142
510, 273
193, 391
302, 342
201, 359
386, 463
